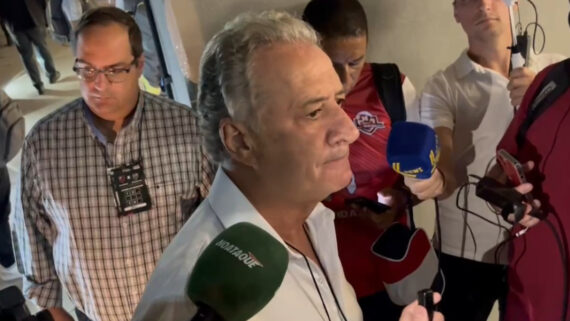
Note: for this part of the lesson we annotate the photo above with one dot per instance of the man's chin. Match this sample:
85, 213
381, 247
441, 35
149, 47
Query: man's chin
101, 107
342, 180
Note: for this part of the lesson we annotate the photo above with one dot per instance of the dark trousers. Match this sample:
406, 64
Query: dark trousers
26, 40
6, 251
471, 289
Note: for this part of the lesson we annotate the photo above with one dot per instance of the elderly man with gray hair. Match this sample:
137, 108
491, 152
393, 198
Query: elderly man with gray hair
269, 103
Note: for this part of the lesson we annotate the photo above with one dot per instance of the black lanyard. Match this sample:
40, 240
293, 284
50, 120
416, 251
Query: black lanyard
313, 276
128, 181
139, 160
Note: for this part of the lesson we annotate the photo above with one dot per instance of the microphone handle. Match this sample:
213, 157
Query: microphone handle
205, 313
517, 60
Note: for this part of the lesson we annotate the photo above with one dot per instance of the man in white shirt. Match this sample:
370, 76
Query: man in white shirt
470, 104
269, 108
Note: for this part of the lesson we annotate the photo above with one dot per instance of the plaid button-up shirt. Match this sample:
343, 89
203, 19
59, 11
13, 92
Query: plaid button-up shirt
69, 231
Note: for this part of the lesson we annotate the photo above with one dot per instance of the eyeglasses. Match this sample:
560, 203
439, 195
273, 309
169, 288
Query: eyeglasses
113, 74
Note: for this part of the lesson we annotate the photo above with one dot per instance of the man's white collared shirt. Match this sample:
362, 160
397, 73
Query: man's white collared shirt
474, 103
296, 299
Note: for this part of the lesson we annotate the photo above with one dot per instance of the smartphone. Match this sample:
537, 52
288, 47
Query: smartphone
514, 170
377, 208
512, 167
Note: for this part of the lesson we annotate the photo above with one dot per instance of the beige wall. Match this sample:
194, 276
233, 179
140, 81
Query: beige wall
420, 35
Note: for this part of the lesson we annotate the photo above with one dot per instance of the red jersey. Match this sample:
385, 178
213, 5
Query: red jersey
371, 174
535, 264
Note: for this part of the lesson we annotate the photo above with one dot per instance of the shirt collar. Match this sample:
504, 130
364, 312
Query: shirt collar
232, 207
128, 125
464, 65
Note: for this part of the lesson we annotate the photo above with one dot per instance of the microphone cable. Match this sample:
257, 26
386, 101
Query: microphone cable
561, 247
536, 27
464, 186
497, 224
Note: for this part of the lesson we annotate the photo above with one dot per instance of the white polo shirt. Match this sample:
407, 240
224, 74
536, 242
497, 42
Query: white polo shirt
296, 299
474, 103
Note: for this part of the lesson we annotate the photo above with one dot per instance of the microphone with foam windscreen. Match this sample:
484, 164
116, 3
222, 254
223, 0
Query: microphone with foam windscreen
413, 149
237, 274
406, 258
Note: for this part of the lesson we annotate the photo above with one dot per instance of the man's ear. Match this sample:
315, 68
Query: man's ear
139, 64
238, 141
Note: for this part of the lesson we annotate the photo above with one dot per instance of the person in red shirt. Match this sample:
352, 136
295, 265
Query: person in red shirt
538, 274
343, 29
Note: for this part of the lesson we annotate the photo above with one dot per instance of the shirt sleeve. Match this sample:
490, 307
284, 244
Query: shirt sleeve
437, 108
35, 234
411, 100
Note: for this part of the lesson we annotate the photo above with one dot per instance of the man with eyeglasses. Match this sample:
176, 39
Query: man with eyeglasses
470, 104
107, 180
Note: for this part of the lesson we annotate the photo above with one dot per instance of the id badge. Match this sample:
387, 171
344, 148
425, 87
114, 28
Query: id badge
129, 188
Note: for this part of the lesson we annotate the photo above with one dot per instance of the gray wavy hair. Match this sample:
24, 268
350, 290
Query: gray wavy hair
224, 88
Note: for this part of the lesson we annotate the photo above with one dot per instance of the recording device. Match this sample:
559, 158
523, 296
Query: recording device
524, 43
425, 299
502, 196
237, 274
13, 307
363, 202
413, 149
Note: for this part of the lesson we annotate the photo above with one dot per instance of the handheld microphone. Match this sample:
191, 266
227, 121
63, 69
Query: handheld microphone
425, 299
237, 274
406, 254
517, 59
413, 149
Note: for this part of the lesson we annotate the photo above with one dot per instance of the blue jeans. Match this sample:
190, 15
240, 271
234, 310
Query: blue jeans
25, 41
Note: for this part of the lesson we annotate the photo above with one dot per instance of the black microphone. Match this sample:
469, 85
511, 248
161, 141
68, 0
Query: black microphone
237, 274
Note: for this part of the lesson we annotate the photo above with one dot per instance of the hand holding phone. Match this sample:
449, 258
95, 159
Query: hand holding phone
363, 202
514, 171
512, 167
